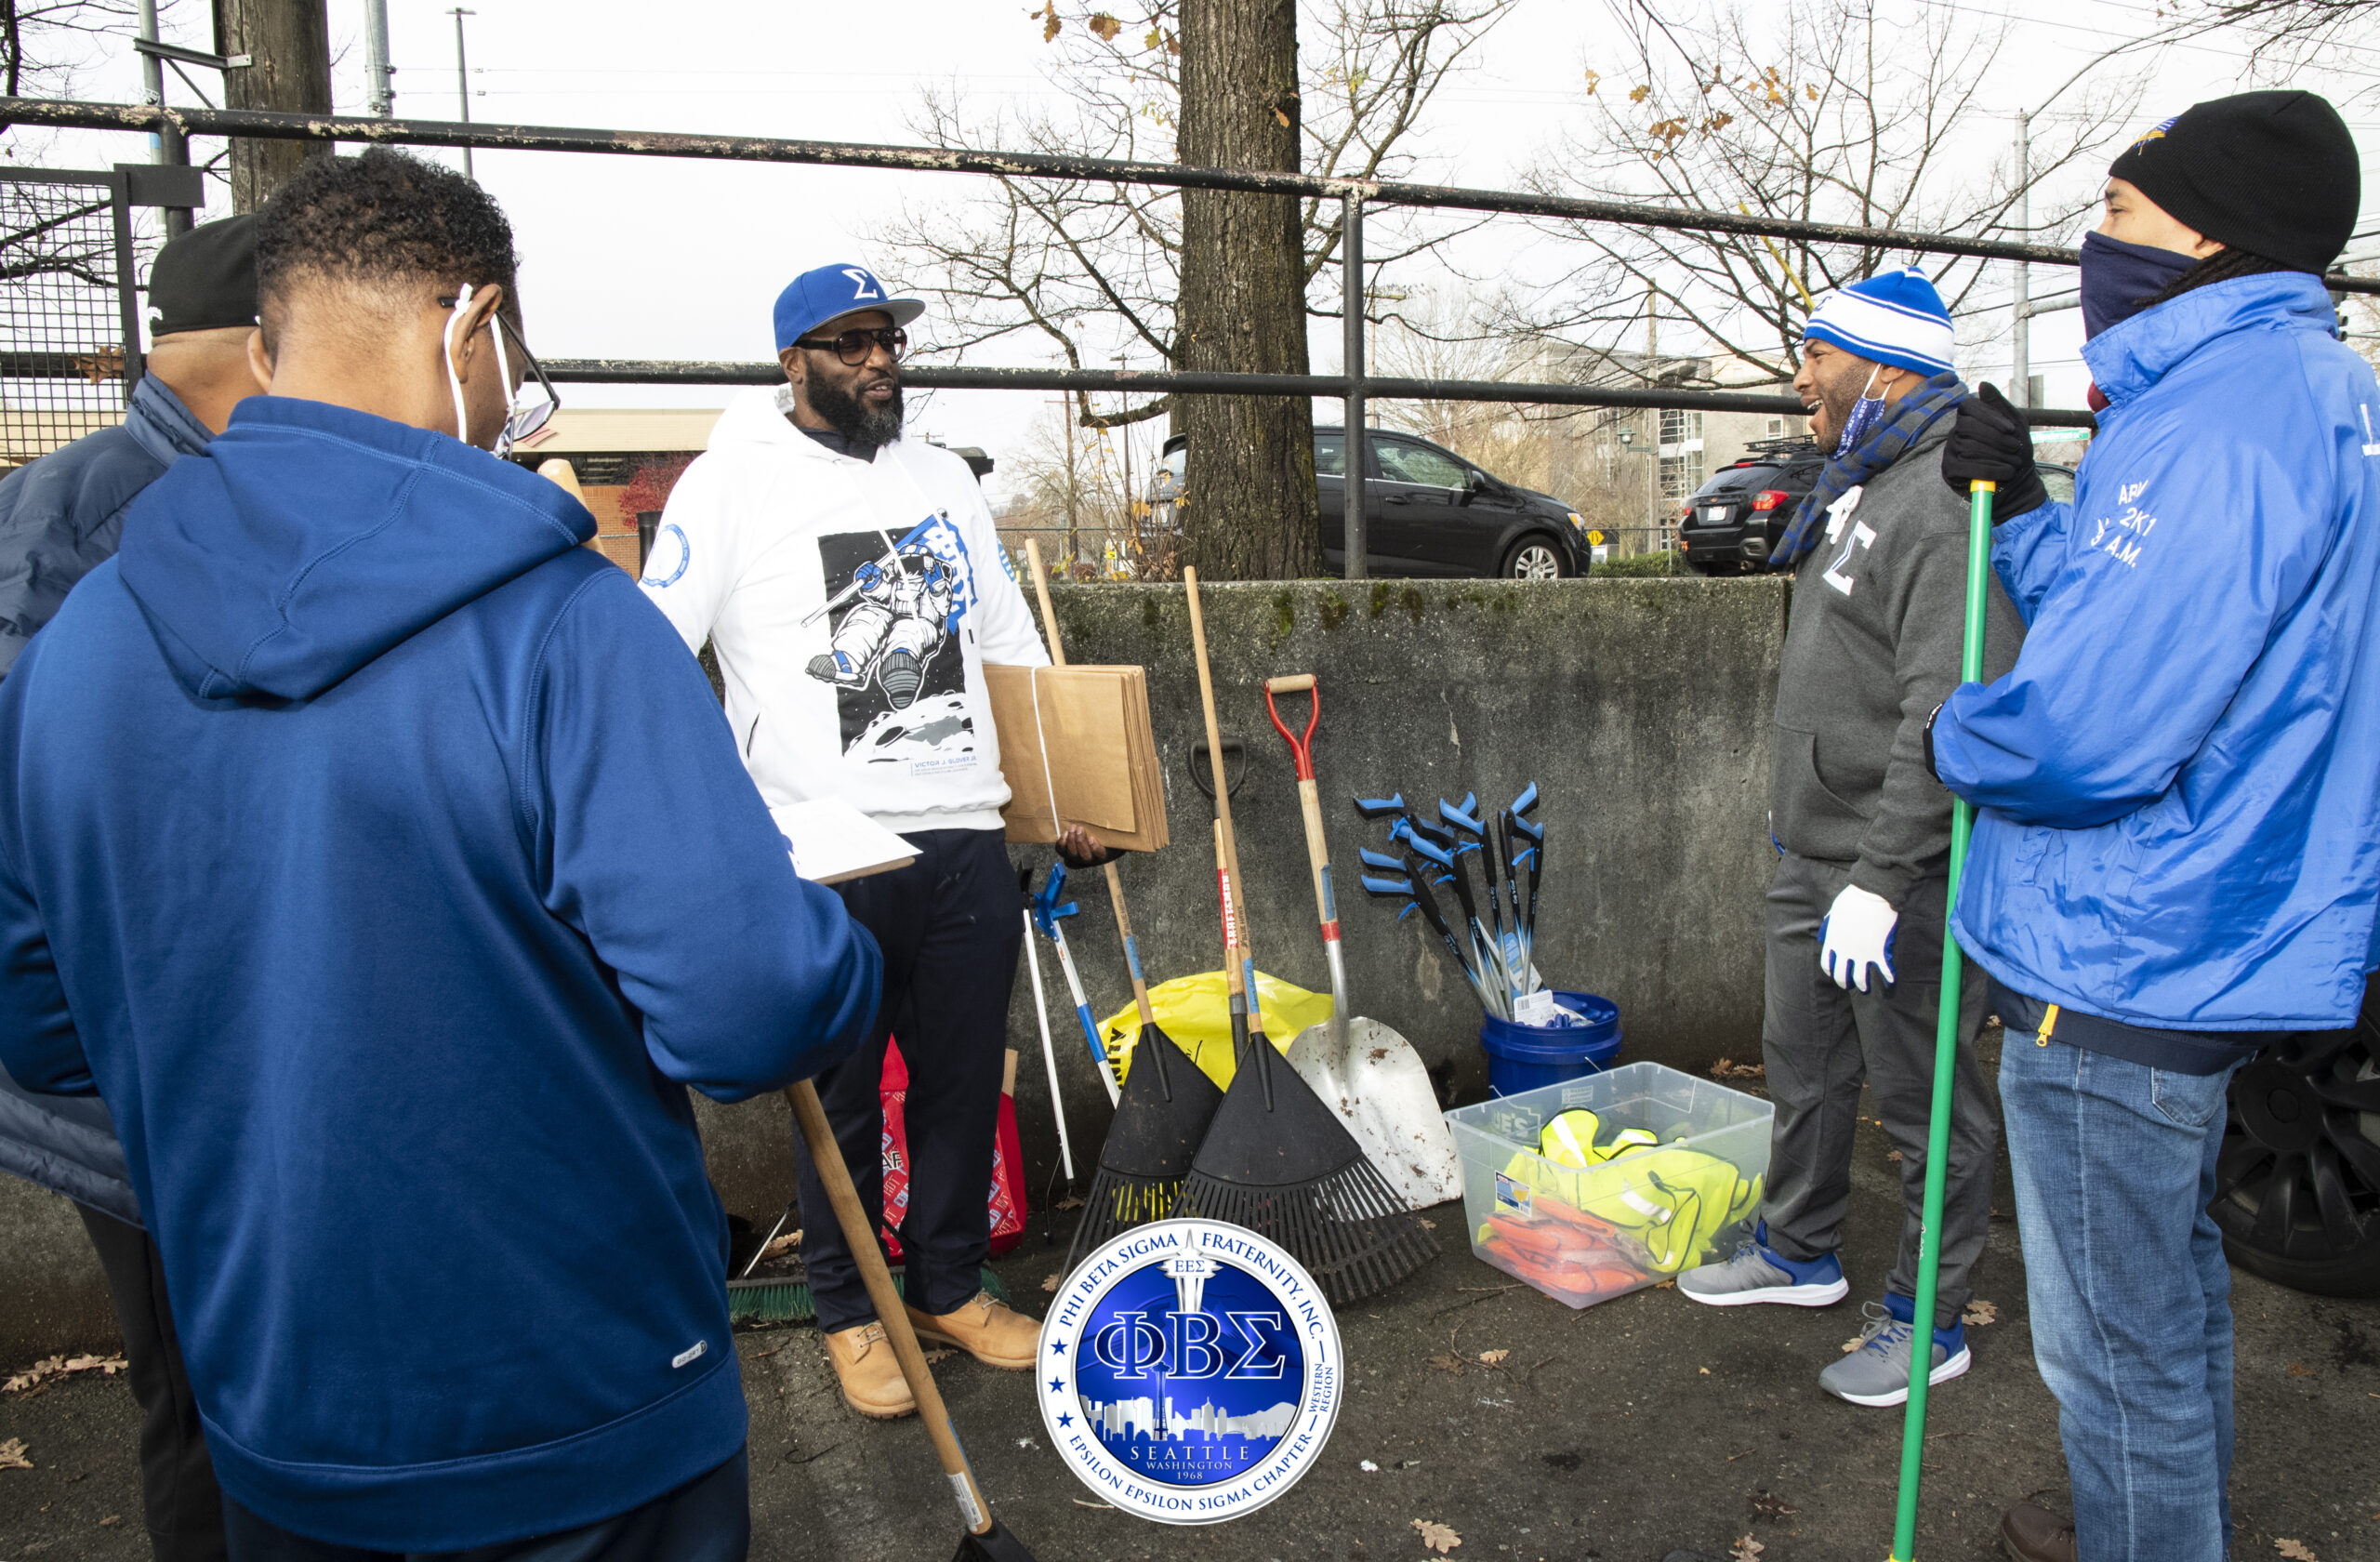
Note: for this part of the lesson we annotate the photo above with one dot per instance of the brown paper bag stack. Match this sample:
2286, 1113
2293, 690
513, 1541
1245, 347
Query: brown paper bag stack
1077, 748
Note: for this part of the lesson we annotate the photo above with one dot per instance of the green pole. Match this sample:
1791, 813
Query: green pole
1946, 1050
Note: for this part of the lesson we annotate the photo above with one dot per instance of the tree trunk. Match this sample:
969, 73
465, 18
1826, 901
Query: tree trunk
289, 42
1250, 512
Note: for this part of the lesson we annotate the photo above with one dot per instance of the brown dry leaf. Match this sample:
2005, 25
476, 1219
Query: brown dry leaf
2296, 1551
1728, 1068
1591, 80
1640, 94
1893, 1156
1069, 1203
1746, 1550
1705, 1370
1436, 1536
12, 1455
1051, 1284
1490, 1358
1447, 1362
63, 1365
1047, 15
1766, 1506
1104, 26
1664, 1285
1429, 1225
1979, 1313
781, 1247
1850, 1345
2299, 1370
112, 1519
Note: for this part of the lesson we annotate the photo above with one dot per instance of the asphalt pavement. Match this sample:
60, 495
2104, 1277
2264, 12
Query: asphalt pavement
1627, 1432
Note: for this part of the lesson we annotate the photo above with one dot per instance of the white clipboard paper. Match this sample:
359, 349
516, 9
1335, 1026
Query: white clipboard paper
832, 841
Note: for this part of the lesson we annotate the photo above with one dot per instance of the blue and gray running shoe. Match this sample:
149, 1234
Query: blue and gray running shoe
1877, 1371
1759, 1273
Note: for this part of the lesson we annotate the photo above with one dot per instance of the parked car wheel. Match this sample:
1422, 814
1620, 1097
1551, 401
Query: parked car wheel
1535, 558
2297, 1182
1715, 569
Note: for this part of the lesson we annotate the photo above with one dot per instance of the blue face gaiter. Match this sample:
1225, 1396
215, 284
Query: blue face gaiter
1864, 413
2118, 279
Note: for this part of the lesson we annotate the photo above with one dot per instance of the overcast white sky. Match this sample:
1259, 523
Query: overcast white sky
667, 259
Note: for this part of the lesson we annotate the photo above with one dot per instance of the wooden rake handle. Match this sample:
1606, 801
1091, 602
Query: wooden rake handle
828, 1158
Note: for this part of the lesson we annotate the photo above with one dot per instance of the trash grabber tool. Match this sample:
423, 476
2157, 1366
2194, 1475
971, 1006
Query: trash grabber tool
1946, 1057
1380, 808
1317, 850
1041, 1012
1047, 916
985, 1539
1465, 820
1410, 890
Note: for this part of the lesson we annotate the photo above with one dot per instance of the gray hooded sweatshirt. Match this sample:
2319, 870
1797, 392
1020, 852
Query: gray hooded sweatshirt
1878, 621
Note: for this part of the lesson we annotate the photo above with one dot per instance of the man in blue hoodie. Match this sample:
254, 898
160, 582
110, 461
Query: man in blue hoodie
425, 878
59, 518
2178, 856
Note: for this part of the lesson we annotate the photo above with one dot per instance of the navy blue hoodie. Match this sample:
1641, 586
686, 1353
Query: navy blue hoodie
383, 859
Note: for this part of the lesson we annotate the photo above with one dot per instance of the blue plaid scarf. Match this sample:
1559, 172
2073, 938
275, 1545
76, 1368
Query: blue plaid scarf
1912, 416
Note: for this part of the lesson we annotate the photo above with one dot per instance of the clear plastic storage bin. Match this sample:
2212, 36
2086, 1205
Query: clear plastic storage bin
1584, 1234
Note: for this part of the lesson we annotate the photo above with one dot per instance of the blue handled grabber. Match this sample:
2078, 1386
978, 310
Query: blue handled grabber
1945, 1058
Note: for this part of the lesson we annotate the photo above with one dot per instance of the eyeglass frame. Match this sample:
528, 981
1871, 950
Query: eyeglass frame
520, 422
894, 340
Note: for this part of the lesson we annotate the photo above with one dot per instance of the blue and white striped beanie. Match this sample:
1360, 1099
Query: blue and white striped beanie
1896, 318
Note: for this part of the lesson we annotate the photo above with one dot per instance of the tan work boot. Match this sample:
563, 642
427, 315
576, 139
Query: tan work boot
871, 1378
985, 1329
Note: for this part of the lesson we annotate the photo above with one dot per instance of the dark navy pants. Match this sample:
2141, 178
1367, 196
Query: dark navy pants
708, 1519
949, 927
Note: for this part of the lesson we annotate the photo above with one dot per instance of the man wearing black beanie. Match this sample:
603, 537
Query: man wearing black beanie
2178, 781
59, 519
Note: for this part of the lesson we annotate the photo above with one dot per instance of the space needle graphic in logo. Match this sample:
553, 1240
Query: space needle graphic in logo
1190, 1371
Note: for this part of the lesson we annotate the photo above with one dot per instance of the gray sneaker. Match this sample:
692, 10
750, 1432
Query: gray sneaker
1759, 1273
1876, 1371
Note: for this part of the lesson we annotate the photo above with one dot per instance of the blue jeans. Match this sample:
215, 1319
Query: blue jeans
2130, 1298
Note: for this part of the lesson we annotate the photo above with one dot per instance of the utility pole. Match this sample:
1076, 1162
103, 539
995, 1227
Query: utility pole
288, 45
166, 143
2021, 392
381, 94
463, 80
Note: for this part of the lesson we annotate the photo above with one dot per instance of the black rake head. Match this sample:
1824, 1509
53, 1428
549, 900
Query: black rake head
1161, 1120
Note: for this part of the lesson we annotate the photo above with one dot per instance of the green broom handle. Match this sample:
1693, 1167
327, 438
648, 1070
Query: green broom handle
1946, 1054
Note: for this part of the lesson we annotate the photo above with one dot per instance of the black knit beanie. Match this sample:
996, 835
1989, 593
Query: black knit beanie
2271, 173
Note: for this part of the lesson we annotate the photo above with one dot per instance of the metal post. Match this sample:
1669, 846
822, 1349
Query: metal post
380, 98
126, 278
2021, 392
1355, 533
463, 80
166, 144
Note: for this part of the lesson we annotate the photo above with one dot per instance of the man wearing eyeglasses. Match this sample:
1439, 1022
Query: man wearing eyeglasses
853, 586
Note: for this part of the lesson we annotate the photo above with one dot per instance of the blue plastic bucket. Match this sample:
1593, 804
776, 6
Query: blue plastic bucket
1524, 1057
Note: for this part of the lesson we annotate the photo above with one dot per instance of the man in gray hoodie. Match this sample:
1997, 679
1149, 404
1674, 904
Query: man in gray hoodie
1863, 833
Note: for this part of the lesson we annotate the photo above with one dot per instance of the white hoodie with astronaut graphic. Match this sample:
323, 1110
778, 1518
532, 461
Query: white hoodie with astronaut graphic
852, 605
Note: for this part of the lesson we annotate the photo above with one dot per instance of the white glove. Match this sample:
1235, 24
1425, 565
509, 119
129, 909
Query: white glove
1858, 932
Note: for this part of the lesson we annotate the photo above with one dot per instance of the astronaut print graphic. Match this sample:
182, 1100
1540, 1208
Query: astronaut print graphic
896, 608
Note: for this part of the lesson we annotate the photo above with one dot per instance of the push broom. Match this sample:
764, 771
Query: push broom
1946, 1050
1277, 1159
985, 1538
1166, 1103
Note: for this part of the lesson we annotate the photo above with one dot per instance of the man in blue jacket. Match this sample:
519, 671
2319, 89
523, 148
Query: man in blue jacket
2178, 850
59, 518
425, 878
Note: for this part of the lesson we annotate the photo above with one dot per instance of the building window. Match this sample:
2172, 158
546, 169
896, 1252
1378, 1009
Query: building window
1681, 475
1776, 429
1679, 427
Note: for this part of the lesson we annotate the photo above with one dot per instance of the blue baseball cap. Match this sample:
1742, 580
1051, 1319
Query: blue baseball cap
815, 297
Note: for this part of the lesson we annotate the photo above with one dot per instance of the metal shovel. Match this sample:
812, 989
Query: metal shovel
1365, 1071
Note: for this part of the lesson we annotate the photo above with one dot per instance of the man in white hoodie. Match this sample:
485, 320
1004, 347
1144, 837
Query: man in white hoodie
852, 584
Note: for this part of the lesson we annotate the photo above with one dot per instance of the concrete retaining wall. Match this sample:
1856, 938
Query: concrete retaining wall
1641, 708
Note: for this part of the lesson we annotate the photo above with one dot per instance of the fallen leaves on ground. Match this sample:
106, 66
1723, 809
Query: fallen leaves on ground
2299, 1370
1051, 1284
781, 1247
112, 1519
1446, 1361
1768, 1506
1703, 1371
936, 1352
1746, 1550
1728, 1068
1436, 1536
1979, 1313
12, 1455
2296, 1551
1429, 1225
1894, 1155
60, 1367
1069, 1203
1490, 1358
1850, 1345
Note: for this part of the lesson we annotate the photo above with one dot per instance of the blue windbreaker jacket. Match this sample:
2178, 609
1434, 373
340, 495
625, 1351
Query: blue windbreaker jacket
382, 858
2179, 780
59, 519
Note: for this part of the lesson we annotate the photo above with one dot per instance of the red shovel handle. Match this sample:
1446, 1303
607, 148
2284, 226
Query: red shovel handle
1300, 749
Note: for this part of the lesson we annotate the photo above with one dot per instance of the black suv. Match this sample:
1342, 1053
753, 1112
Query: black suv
1735, 519
1430, 512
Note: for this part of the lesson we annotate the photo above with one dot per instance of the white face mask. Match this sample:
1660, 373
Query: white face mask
455, 382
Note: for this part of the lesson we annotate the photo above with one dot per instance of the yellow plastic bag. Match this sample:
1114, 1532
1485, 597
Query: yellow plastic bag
1195, 1012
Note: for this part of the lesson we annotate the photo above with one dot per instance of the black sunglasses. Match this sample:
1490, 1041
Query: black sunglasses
854, 347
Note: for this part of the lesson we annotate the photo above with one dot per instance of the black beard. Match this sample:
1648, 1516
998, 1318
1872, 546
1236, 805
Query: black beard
850, 416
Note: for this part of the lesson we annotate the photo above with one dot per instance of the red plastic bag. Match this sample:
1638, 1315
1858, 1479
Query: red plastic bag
1006, 1200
